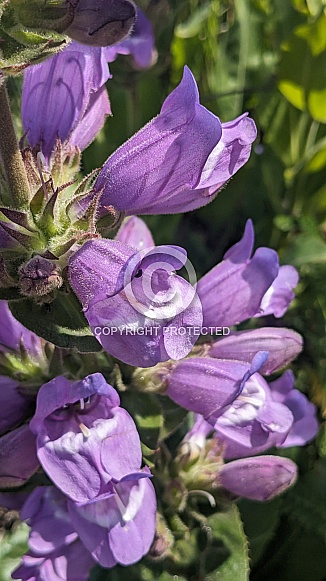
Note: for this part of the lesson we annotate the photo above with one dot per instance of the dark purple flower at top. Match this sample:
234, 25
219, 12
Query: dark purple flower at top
60, 94
140, 44
101, 22
55, 552
134, 301
178, 161
84, 439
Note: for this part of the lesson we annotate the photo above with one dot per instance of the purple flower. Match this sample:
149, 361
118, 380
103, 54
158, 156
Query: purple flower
242, 286
178, 161
140, 44
84, 439
209, 386
55, 107
14, 336
253, 422
134, 302
14, 407
283, 345
305, 423
55, 552
119, 526
18, 460
261, 478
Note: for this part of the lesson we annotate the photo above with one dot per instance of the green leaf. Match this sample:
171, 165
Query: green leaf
300, 78
146, 411
60, 322
12, 547
305, 249
227, 527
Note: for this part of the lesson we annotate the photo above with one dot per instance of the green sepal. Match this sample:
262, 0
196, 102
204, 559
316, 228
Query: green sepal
61, 322
21, 47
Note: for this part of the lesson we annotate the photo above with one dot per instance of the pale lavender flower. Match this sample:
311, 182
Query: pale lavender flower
84, 439
243, 286
55, 107
134, 301
178, 161
14, 336
118, 526
55, 552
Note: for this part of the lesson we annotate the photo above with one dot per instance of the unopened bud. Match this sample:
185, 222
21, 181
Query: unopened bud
101, 22
39, 277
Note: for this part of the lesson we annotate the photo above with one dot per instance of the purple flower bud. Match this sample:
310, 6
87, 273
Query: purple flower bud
178, 161
233, 290
283, 345
101, 22
260, 478
54, 107
84, 439
134, 302
135, 233
119, 526
54, 547
140, 44
305, 424
39, 277
18, 460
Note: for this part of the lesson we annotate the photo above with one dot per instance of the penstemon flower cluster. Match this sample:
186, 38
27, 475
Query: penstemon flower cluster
92, 311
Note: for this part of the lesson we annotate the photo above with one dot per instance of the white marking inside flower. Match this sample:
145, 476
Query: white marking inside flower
85, 430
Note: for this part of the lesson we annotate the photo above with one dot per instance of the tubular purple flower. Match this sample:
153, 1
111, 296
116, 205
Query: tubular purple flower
283, 345
280, 294
14, 407
233, 290
53, 107
134, 302
305, 424
261, 478
119, 526
55, 552
13, 335
253, 422
84, 439
170, 165
18, 460
140, 44
208, 386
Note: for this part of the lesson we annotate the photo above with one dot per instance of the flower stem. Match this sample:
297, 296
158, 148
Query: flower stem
10, 155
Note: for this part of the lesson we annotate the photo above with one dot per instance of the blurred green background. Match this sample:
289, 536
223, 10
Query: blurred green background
267, 57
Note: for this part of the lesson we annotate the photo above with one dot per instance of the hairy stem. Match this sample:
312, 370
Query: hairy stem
10, 154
